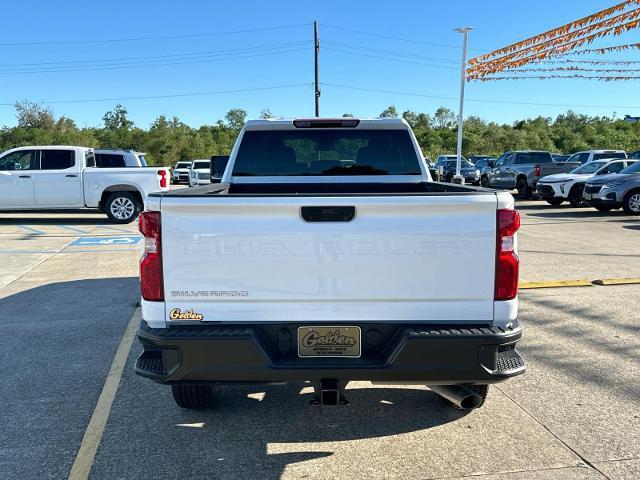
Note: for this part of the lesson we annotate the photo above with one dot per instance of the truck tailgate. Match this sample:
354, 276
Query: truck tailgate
401, 258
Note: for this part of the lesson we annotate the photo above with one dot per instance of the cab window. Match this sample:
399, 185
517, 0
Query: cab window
56, 159
20, 160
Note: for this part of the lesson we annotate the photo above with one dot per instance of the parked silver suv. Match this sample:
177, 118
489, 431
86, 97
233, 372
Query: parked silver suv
615, 191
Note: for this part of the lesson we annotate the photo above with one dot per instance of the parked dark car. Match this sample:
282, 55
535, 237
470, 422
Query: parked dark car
635, 155
448, 163
476, 158
485, 165
218, 164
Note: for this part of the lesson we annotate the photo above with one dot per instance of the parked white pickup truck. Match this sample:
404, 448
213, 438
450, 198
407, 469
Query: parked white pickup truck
63, 177
328, 255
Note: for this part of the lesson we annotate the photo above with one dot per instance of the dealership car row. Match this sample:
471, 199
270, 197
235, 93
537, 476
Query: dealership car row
602, 179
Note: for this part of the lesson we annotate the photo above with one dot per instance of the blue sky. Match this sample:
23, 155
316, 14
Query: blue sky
203, 57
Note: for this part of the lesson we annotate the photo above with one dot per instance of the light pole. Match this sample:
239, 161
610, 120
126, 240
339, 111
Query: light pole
463, 78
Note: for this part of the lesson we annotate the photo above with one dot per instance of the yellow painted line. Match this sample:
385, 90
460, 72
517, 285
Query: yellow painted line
555, 284
616, 281
93, 434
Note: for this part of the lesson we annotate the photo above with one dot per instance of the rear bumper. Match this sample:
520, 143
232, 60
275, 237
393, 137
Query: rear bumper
425, 354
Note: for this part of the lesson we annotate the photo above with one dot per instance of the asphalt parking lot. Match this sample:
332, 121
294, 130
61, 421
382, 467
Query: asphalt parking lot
68, 291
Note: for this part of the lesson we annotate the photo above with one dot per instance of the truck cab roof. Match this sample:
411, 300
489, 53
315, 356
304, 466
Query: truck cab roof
342, 122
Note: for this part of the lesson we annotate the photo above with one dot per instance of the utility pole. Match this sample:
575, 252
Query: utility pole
463, 78
316, 49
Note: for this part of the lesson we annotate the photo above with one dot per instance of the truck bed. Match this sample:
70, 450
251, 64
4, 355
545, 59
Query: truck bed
326, 189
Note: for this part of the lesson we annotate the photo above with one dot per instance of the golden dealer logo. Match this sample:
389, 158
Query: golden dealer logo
177, 314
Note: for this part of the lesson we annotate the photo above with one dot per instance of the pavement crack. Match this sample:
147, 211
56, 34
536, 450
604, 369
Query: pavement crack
535, 419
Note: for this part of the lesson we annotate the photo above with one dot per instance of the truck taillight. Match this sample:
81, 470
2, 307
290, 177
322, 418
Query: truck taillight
163, 178
151, 281
536, 171
507, 261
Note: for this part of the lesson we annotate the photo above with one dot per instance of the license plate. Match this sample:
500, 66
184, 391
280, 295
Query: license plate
329, 341
586, 196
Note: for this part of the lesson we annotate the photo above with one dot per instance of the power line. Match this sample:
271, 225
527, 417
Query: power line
394, 92
158, 37
389, 37
157, 63
174, 95
391, 52
433, 65
174, 55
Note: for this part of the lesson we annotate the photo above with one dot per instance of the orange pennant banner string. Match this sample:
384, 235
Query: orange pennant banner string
562, 30
506, 62
611, 23
548, 77
616, 48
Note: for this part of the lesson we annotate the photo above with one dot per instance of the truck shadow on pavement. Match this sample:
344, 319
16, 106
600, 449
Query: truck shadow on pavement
253, 431
59, 340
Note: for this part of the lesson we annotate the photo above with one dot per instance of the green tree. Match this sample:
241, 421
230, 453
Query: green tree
34, 115
389, 112
116, 119
444, 118
236, 118
266, 114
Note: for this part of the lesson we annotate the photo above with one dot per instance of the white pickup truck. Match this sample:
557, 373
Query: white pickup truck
327, 255
63, 177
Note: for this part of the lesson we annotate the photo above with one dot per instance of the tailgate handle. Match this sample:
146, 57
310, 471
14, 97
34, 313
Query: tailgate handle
327, 214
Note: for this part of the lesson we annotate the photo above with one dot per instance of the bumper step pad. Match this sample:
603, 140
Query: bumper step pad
509, 360
151, 361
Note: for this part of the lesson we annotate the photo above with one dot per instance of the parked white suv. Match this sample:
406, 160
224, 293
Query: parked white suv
557, 188
200, 172
64, 177
587, 156
181, 172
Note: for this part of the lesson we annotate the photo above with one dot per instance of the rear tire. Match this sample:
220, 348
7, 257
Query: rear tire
555, 201
631, 202
524, 191
193, 396
602, 208
122, 207
575, 196
484, 182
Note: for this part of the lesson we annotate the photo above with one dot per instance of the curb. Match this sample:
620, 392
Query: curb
578, 283
555, 284
616, 281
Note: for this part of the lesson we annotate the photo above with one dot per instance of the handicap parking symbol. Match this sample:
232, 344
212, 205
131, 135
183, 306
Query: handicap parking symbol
106, 241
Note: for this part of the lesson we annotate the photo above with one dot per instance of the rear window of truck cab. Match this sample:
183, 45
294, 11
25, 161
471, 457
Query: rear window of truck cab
524, 158
326, 152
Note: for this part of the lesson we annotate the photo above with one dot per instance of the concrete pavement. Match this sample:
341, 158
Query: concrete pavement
68, 289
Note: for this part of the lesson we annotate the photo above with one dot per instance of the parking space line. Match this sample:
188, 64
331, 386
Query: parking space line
73, 229
555, 284
93, 434
33, 230
115, 229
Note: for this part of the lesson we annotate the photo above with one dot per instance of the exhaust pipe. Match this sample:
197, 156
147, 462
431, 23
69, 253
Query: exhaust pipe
459, 396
